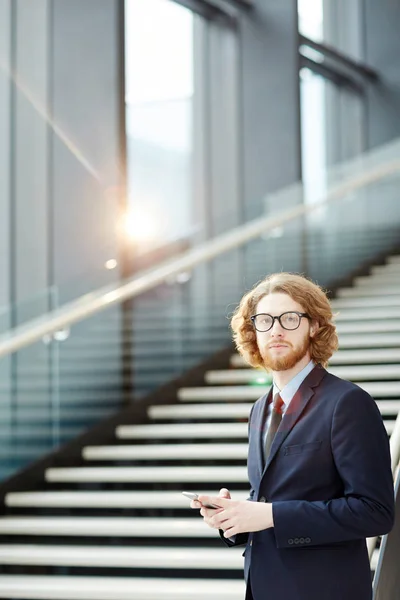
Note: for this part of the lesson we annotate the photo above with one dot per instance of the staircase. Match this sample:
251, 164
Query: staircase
115, 526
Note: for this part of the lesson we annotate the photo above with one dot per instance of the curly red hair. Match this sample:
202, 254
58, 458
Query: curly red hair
308, 294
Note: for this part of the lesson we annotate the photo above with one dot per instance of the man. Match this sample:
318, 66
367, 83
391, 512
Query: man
318, 460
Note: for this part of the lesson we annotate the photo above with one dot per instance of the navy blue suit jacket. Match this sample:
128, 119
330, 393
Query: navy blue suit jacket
329, 479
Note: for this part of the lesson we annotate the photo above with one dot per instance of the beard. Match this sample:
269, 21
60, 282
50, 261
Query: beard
291, 358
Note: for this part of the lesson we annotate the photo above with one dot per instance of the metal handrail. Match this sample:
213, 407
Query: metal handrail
94, 302
395, 465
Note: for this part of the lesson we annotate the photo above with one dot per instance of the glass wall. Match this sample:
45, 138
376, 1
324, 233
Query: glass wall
332, 127
337, 23
182, 124
159, 113
311, 19
332, 93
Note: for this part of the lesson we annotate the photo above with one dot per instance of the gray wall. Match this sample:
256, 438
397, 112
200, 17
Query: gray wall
86, 176
382, 51
30, 151
60, 148
269, 101
5, 163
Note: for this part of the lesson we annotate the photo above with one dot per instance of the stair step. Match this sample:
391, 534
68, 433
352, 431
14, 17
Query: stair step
351, 373
376, 280
372, 340
359, 357
230, 376
388, 408
366, 372
231, 393
146, 474
122, 557
366, 291
119, 499
365, 314
118, 588
183, 430
377, 301
201, 411
390, 326
389, 268
380, 389
393, 260
106, 526
162, 452
167, 452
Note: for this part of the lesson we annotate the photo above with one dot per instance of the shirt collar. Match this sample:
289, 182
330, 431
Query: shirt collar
291, 388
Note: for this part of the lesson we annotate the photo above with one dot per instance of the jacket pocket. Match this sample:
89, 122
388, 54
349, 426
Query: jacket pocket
300, 448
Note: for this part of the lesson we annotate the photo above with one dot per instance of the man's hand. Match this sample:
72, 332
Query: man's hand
236, 517
208, 513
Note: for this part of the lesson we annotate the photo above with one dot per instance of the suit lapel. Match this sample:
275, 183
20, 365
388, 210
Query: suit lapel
295, 409
261, 428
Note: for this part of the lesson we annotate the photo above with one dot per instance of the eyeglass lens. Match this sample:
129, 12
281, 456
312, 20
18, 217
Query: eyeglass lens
289, 320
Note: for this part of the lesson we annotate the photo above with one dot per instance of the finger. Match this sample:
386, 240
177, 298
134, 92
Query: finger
224, 493
195, 504
230, 532
211, 524
221, 522
214, 500
208, 513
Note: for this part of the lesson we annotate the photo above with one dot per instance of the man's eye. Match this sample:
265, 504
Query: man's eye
265, 321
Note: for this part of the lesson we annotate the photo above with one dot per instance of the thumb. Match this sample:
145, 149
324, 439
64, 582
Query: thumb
224, 493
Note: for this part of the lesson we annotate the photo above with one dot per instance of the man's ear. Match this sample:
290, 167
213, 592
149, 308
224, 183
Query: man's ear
314, 328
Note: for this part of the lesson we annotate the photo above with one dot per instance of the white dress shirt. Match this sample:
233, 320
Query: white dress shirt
287, 392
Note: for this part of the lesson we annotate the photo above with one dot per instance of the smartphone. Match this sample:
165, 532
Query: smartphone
193, 496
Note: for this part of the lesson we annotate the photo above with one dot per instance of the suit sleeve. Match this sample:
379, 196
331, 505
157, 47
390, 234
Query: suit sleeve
360, 448
241, 538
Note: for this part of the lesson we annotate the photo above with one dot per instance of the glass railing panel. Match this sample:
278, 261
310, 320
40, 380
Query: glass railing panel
55, 389
91, 361
387, 575
174, 328
26, 398
345, 235
63, 384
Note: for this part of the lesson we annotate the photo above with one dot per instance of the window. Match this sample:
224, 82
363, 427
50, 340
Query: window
159, 105
332, 129
337, 23
311, 19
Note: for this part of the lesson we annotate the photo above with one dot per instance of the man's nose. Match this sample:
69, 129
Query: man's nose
276, 328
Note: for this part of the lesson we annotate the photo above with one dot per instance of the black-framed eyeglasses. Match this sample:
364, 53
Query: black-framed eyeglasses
288, 320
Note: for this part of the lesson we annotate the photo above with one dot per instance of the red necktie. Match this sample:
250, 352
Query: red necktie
276, 419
